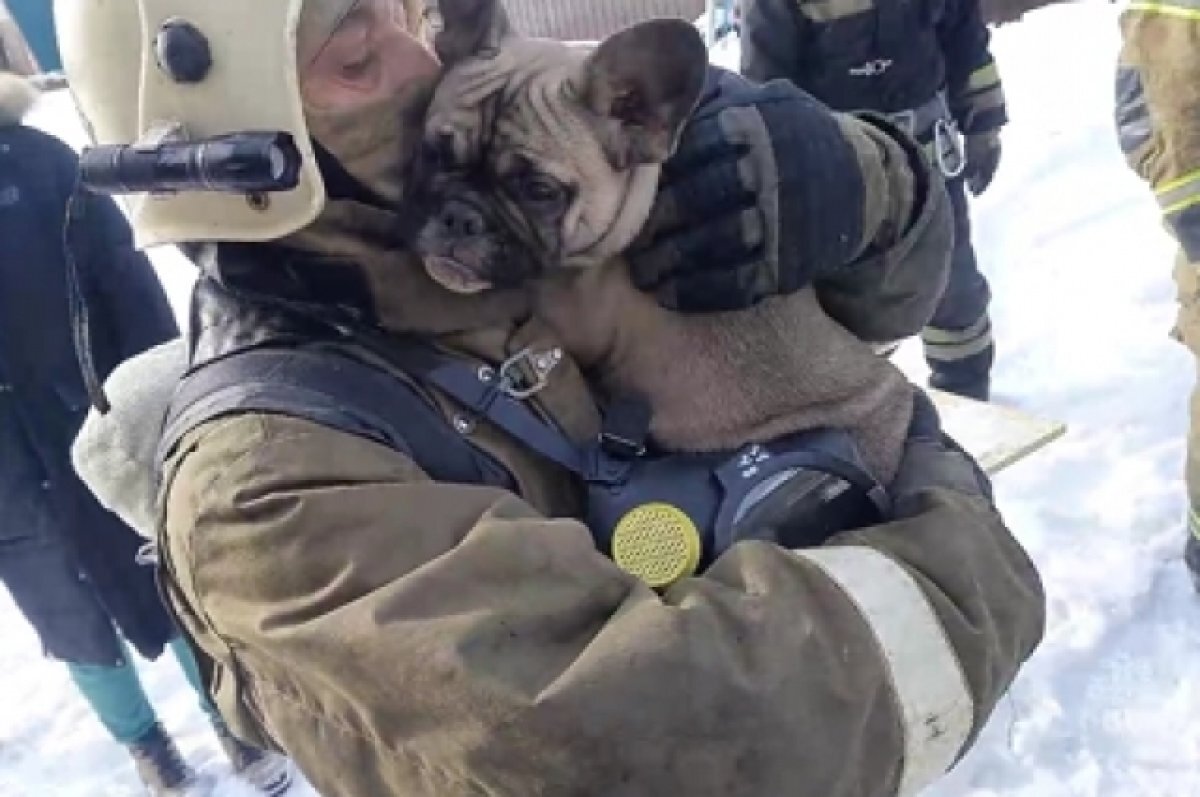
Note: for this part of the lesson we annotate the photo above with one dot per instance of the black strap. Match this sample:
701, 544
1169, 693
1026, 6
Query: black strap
481, 390
626, 428
340, 184
335, 390
78, 250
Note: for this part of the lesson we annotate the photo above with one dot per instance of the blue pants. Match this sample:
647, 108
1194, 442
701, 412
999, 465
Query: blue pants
117, 697
75, 628
958, 340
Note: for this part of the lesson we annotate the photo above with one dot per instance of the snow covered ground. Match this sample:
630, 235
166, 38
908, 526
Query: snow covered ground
1110, 705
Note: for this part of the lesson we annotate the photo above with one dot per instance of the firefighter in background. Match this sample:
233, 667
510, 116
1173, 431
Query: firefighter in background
927, 66
1158, 122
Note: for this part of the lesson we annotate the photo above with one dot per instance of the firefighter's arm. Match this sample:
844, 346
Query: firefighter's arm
446, 639
773, 39
1158, 110
770, 192
972, 79
890, 288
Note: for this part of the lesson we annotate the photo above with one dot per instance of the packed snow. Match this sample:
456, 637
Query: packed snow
1110, 704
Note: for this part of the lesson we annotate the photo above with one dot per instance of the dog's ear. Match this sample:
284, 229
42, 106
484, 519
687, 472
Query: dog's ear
646, 80
467, 27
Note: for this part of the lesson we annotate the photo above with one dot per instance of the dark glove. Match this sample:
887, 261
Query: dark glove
932, 460
763, 193
983, 158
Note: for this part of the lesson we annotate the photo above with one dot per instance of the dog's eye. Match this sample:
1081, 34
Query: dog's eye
443, 150
541, 190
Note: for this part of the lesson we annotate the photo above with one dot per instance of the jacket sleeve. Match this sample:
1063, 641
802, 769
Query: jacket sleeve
772, 40
1158, 110
398, 636
972, 80
891, 287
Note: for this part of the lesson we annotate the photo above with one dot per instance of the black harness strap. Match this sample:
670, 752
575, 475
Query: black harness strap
481, 392
336, 390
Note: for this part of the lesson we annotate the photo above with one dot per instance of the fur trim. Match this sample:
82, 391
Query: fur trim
17, 96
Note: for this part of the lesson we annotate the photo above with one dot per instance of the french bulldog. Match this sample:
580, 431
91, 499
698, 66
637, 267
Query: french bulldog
540, 165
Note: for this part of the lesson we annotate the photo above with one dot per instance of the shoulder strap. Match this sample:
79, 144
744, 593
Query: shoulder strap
336, 390
486, 393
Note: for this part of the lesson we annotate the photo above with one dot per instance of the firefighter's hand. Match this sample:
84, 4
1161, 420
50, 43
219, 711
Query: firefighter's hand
753, 203
983, 158
932, 460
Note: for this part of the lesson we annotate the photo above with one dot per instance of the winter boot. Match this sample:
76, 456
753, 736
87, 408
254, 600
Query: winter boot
1191, 557
978, 387
270, 773
162, 769
961, 360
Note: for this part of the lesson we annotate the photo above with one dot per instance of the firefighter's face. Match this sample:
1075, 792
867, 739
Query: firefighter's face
372, 54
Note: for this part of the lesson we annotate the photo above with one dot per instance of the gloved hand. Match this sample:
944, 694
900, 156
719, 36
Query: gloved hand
763, 193
983, 158
932, 460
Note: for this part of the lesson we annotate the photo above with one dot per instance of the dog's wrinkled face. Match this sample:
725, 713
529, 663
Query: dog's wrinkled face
539, 154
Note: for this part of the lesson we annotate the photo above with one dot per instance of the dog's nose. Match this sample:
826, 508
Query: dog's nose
461, 220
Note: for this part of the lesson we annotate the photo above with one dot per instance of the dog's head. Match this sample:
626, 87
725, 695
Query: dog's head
542, 155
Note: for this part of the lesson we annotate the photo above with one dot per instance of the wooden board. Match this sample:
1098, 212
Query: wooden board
997, 436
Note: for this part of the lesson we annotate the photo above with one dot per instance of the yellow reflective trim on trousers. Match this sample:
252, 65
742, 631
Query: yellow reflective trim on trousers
1194, 522
1179, 194
831, 10
1182, 205
952, 345
1178, 182
953, 352
952, 336
1167, 9
983, 77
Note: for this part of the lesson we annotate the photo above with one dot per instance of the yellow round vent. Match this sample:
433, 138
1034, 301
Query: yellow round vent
658, 543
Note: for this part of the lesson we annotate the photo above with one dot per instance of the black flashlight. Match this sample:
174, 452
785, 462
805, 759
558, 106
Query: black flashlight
238, 163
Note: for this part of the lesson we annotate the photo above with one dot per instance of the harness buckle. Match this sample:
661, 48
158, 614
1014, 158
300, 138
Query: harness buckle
527, 372
621, 447
948, 154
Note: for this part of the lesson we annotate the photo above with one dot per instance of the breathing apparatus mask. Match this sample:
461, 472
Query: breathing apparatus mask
670, 517
665, 516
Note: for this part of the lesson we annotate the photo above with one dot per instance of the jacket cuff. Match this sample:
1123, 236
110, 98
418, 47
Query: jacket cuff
980, 107
907, 278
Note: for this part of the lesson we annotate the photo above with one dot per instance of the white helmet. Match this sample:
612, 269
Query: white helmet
238, 73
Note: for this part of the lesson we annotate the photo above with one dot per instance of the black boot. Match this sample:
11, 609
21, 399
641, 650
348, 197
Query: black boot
270, 773
1191, 557
977, 387
961, 359
162, 769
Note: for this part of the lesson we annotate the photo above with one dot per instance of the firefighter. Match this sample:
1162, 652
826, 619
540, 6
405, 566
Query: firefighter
927, 66
1158, 124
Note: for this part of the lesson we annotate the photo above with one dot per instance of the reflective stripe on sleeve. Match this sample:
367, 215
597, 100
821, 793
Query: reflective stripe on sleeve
934, 701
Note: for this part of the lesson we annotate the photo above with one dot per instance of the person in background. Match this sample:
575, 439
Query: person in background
1158, 126
71, 566
928, 67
